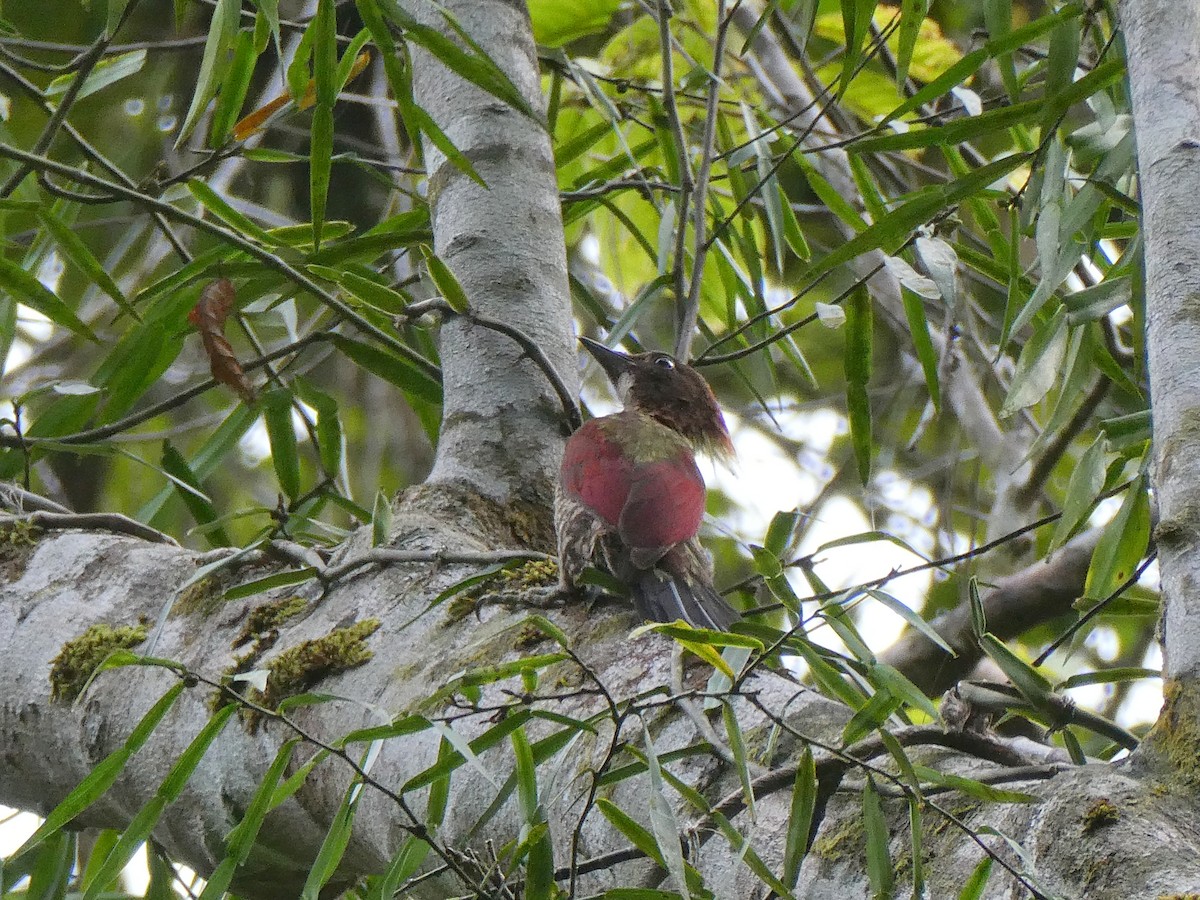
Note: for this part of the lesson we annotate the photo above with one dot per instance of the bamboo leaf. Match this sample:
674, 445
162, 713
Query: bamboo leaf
222, 32
663, 822
879, 858
445, 281
804, 802
1087, 481
857, 363
285, 456
101, 778
1123, 544
26, 289
139, 829
75, 250
974, 886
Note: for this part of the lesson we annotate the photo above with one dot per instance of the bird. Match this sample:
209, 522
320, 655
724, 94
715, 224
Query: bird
630, 497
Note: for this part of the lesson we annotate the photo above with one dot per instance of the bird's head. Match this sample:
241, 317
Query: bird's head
671, 392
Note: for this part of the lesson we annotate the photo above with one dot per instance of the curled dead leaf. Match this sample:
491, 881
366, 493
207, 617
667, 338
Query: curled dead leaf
209, 315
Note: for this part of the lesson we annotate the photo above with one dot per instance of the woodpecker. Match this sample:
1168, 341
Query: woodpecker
630, 497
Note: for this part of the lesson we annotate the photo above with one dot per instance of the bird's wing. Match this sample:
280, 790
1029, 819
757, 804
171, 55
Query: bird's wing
664, 506
596, 472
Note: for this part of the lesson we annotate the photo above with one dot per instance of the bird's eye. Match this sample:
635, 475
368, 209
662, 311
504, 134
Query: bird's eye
665, 362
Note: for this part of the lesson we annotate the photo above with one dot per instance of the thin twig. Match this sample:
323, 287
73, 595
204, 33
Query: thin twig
83, 67
683, 160
19, 500
263, 255
528, 345
690, 306
93, 435
114, 522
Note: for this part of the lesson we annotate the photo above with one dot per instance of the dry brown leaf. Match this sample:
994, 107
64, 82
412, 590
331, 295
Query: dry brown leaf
209, 315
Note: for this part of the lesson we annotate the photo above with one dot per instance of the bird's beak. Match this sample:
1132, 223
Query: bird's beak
614, 362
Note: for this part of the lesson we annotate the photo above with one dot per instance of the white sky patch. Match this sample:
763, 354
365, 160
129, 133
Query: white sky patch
16, 830
842, 567
1145, 696
255, 445
50, 271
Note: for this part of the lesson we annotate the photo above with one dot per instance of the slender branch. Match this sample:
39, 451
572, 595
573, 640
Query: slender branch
1098, 608
84, 66
528, 345
683, 161
1040, 473
131, 421
19, 500
690, 309
261, 254
114, 522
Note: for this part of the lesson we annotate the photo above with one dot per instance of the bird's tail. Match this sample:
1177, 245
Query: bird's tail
660, 597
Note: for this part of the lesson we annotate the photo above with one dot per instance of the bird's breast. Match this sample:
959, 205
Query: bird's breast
637, 475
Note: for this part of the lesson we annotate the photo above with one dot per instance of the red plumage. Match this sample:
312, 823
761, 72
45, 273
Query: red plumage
653, 503
631, 498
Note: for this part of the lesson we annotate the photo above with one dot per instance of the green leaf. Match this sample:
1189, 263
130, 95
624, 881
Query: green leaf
663, 822
856, 20
269, 10
642, 839
329, 425
1123, 544
976, 59
139, 830
737, 745
101, 778
996, 120
320, 166
371, 292
217, 205
391, 367
222, 32
918, 326
107, 71
277, 415
804, 802
270, 582
558, 22
912, 14
539, 867
298, 69
974, 886
901, 687
234, 87
912, 617
445, 281
978, 614
1032, 684
879, 858
857, 363
1039, 366
381, 520
187, 485
1061, 61
997, 17
471, 63
333, 847
325, 53
26, 289
75, 250
1087, 481
1109, 676
973, 788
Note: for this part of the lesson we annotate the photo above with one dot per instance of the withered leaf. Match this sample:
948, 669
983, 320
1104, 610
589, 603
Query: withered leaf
209, 315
